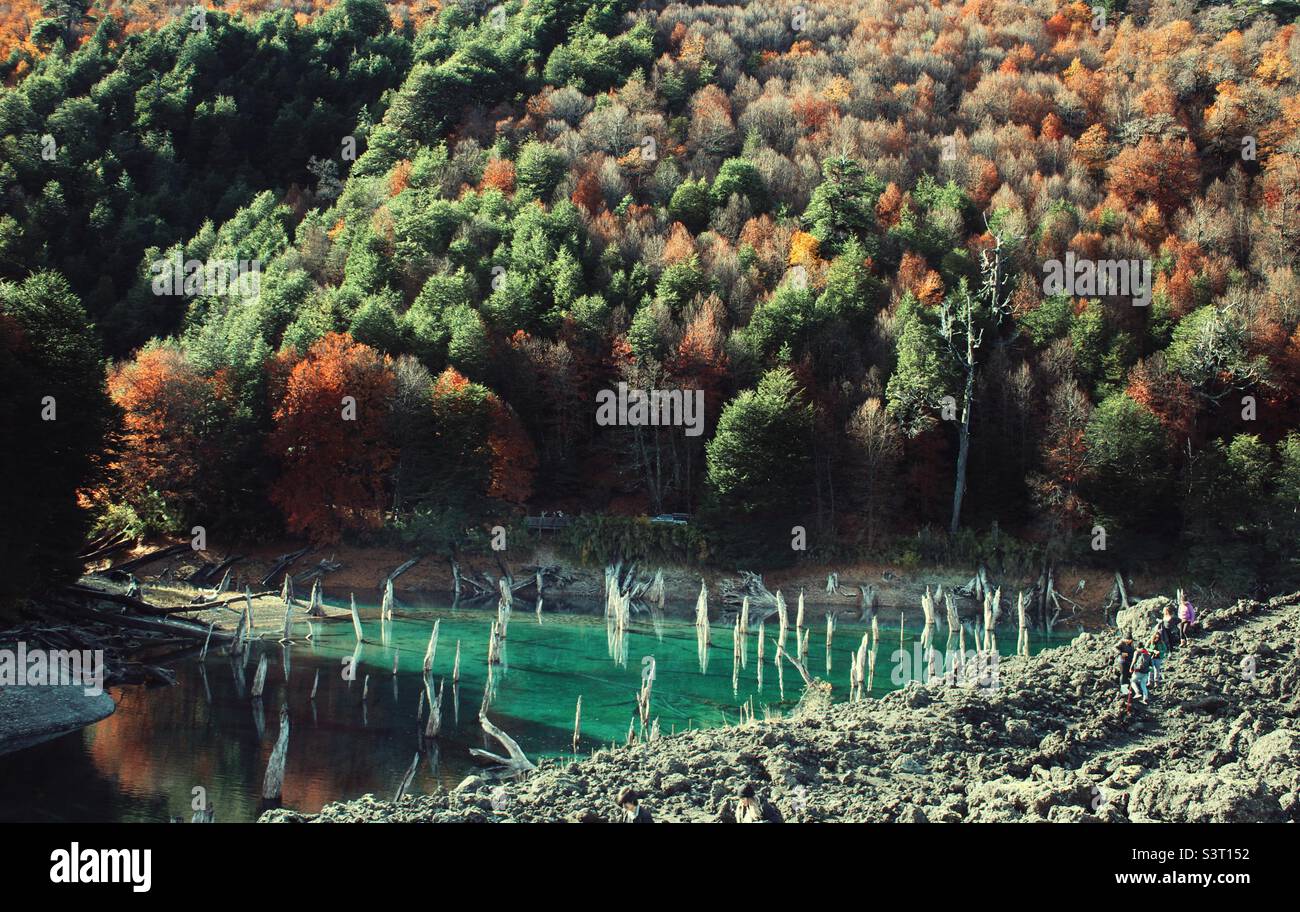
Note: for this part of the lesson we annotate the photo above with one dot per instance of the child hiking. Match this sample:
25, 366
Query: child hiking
1157, 656
1141, 672
1186, 619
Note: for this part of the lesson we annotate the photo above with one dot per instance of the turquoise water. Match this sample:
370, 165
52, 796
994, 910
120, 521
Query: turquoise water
145, 762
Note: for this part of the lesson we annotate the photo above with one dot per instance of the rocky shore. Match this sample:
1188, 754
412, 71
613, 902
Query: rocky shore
1219, 742
30, 715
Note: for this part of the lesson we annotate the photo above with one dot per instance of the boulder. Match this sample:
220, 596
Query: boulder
1140, 618
1171, 796
32, 714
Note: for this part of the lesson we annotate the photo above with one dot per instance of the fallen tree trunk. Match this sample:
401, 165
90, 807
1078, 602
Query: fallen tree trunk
152, 556
206, 573
116, 598
400, 570
282, 563
106, 550
165, 625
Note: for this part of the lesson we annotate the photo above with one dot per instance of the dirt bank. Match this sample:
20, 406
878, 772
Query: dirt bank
1051, 741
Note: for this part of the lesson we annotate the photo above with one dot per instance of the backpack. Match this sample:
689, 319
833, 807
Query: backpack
1141, 662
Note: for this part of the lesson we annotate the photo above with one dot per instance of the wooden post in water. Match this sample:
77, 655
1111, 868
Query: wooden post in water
927, 633
859, 673
798, 628
785, 624
871, 660
830, 636
647, 687
316, 607
432, 649
961, 653
455, 669
248, 607
356, 618
1022, 639
702, 607
259, 679
577, 724
273, 783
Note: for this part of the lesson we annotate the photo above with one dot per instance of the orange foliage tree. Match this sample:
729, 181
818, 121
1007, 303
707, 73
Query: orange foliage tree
1166, 172
330, 437
165, 407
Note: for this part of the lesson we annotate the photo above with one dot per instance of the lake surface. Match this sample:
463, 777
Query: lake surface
145, 761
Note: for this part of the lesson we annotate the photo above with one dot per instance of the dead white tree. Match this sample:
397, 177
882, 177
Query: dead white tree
959, 327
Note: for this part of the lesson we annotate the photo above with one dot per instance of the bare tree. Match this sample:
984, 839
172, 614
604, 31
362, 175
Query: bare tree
958, 327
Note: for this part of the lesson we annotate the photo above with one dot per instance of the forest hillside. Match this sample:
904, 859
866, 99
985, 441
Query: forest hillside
995, 279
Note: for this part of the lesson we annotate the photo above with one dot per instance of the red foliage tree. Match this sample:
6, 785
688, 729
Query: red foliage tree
1166, 172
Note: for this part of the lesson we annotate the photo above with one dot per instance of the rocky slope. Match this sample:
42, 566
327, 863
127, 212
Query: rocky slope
1051, 741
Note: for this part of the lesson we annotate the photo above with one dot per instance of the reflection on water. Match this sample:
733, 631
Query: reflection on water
146, 761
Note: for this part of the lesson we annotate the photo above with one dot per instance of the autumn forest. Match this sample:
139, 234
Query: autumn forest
359, 271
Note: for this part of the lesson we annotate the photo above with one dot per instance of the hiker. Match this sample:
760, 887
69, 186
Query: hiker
1141, 672
749, 809
1124, 669
1169, 630
1157, 655
1186, 619
629, 803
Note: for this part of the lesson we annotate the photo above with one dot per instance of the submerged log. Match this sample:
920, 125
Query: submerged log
407, 778
750, 584
517, 762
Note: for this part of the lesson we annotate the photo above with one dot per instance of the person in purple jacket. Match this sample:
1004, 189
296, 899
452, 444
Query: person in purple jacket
1186, 618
